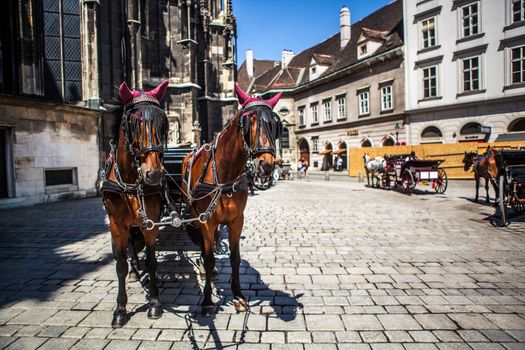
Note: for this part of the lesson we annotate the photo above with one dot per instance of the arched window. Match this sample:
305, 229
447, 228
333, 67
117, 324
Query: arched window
431, 134
517, 125
470, 128
388, 141
366, 143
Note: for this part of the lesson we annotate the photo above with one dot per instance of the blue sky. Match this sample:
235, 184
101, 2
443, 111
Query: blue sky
269, 26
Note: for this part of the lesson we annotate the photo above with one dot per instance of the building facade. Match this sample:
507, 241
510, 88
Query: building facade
465, 70
61, 62
347, 91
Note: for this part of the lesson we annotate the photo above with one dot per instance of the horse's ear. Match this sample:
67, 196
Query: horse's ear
273, 101
241, 95
125, 93
159, 91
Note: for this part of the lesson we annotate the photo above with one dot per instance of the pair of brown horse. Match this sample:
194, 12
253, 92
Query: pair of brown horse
484, 166
215, 186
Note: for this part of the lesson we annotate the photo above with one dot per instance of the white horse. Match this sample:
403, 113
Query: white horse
375, 167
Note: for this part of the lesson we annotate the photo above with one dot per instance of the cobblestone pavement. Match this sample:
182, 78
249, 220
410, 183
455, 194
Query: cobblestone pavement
327, 265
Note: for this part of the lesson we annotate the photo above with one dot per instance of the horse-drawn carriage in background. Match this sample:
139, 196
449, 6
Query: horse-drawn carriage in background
404, 171
511, 172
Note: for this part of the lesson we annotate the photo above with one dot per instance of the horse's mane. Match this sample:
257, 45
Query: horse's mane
117, 112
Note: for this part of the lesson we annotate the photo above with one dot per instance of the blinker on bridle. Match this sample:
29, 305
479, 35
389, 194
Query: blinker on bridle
268, 125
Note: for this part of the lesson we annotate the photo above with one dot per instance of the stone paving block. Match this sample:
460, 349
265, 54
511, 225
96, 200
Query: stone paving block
279, 324
26, 343
299, 337
420, 346
486, 346
273, 337
33, 316
155, 345
75, 332
8, 330
518, 335
66, 318
453, 346
430, 321
58, 344
472, 321
507, 322
497, 336
423, 336
98, 333
362, 322
52, 331
29, 331
348, 337
514, 346
324, 323
387, 346
320, 347
5, 341
323, 337
353, 347
122, 345
373, 337
447, 336
399, 322
398, 336
472, 336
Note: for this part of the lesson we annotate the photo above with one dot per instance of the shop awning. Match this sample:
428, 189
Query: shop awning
514, 136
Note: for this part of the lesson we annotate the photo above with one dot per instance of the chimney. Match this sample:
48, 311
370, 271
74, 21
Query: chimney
345, 26
286, 57
249, 62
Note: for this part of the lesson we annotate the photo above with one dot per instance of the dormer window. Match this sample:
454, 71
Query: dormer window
362, 49
313, 70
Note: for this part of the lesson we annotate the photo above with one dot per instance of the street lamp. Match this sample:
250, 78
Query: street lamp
397, 127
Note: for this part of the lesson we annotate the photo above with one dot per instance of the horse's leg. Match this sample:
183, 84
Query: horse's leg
477, 188
120, 240
234, 236
495, 185
155, 308
367, 179
486, 178
208, 244
136, 244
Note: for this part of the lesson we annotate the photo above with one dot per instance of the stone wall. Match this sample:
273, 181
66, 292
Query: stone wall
49, 136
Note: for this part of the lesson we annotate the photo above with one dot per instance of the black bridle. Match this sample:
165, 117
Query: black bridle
152, 120
268, 127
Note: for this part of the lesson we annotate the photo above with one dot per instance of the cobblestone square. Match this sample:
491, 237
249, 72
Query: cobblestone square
325, 264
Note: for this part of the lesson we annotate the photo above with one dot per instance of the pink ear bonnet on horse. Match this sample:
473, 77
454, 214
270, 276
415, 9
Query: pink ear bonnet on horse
130, 97
247, 101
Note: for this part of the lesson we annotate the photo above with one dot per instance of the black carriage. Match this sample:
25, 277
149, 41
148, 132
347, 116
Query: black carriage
511, 173
400, 171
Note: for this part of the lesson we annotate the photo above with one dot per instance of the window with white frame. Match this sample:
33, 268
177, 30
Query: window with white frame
315, 144
313, 113
518, 64
470, 19
341, 107
428, 32
518, 10
364, 105
386, 98
301, 117
430, 82
327, 110
471, 74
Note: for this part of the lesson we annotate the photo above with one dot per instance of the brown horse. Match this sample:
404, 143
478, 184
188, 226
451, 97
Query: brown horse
483, 166
131, 191
215, 185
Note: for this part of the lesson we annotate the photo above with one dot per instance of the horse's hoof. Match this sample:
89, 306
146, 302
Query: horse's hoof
240, 304
133, 277
155, 311
119, 320
207, 310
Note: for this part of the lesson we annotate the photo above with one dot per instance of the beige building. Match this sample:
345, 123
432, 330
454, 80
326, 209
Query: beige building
347, 91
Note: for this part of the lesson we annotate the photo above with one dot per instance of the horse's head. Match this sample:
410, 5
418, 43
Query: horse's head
260, 128
145, 127
469, 159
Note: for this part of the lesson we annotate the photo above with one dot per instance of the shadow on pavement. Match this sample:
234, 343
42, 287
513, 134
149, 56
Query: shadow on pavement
47, 246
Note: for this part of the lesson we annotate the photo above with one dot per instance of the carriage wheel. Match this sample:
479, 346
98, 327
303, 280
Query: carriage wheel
408, 181
502, 201
441, 182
